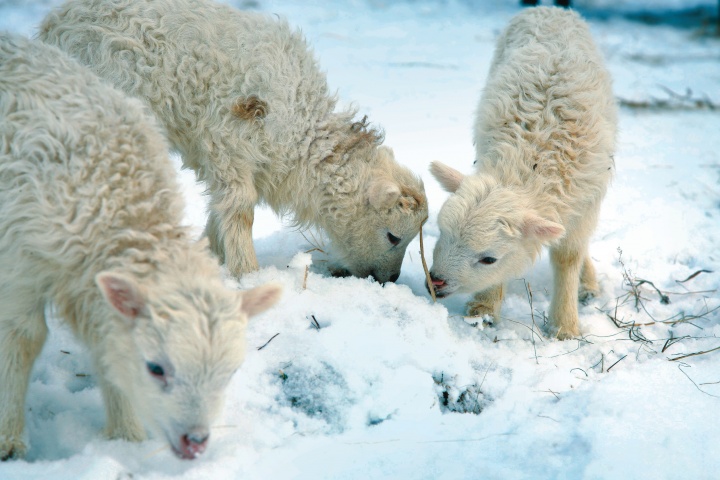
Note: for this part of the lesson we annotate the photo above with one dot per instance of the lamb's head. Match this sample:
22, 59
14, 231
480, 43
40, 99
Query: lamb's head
389, 214
178, 339
489, 233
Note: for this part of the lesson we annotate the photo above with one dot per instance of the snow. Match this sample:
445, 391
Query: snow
370, 381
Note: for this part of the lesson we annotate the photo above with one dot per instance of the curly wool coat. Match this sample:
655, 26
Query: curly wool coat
545, 139
246, 104
90, 218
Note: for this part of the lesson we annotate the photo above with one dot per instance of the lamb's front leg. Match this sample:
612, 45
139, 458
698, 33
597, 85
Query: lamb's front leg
567, 263
229, 228
21, 339
487, 302
122, 421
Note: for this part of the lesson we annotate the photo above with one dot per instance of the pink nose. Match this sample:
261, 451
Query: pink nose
193, 443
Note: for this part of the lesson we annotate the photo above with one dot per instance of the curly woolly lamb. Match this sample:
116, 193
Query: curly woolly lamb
245, 103
90, 220
545, 137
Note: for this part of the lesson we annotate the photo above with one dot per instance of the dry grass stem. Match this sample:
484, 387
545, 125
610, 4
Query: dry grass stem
317, 245
156, 451
682, 365
694, 354
664, 299
266, 343
528, 290
430, 285
693, 276
710, 383
307, 268
619, 360
674, 102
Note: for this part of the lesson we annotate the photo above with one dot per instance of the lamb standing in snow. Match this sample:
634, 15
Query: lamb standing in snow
89, 220
545, 137
245, 103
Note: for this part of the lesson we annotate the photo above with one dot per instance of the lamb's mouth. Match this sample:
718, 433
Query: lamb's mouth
189, 446
441, 287
339, 272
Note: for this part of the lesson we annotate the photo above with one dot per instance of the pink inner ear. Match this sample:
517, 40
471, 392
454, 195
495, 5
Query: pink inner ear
122, 294
260, 299
545, 230
449, 178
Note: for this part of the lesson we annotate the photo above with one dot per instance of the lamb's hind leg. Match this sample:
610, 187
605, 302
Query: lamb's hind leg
229, 227
589, 287
567, 263
22, 335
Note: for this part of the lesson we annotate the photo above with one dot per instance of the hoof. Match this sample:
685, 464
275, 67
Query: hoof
585, 296
483, 312
12, 450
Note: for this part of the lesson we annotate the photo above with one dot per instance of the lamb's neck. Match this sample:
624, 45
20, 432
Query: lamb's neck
332, 171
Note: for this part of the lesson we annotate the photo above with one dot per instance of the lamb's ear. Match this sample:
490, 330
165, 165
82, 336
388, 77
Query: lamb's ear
383, 193
544, 230
122, 293
260, 299
385, 154
449, 178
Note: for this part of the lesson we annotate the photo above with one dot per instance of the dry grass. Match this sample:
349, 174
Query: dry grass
640, 293
266, 343
428, 279
673, 102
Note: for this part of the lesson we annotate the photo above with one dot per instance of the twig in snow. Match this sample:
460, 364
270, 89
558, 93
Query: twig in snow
317, 245
694, 354
675, 101
672, 341
305, 277
549, 418
557, 396
693, 276
664, 299
685, 365
600, 362
621, 358
528, 290
266, 343
430, 285
484, 376
710, 383
315, 322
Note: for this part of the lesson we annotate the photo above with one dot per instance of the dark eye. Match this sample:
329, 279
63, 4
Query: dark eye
155, 370
488, 260
393, 239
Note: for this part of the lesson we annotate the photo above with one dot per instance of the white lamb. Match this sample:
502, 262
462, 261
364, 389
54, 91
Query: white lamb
245, 103
90, 220
545, 137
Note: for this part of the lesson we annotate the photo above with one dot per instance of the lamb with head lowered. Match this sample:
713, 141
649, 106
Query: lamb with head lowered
247, 106
90, 222
545, 139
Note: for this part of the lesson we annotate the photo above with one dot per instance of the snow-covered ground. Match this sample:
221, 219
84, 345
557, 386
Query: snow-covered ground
372, 382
